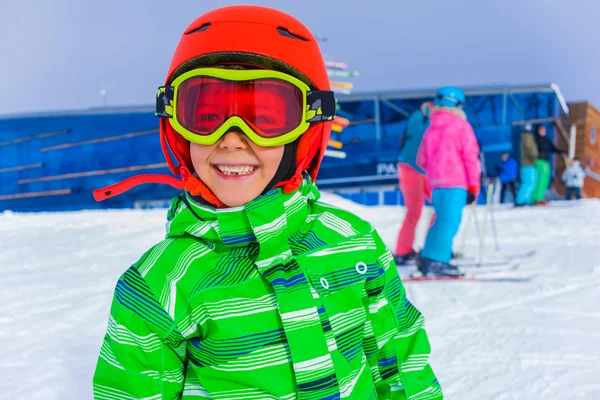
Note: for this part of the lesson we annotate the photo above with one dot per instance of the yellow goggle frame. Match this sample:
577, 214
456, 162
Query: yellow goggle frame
319, 106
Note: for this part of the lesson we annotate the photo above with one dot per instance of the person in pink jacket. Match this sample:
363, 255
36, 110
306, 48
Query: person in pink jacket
449, 155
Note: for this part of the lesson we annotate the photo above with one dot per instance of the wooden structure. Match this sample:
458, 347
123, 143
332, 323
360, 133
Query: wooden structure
586, 119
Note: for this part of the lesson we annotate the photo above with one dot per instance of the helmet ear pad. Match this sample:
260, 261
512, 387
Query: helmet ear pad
178, 147
310, 152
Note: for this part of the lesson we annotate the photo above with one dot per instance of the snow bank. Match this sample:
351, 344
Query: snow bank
533, 340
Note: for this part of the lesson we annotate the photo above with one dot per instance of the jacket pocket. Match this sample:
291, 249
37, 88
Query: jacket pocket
338, 283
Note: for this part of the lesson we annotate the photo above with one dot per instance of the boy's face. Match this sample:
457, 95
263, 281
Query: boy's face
235, 169
504, 157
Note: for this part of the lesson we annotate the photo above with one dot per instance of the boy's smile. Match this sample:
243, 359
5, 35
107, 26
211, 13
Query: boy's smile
235, 169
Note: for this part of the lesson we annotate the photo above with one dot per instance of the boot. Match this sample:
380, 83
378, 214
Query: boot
403, 259
429, 267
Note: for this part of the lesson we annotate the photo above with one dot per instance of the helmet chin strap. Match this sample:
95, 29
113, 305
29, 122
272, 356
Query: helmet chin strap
287, 166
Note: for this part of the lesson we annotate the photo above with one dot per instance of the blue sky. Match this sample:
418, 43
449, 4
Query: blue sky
57, 55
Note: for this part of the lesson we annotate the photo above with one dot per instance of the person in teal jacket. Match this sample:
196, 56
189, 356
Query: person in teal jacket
259, 290
412, 182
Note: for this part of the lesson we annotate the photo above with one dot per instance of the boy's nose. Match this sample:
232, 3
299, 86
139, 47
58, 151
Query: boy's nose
233, 140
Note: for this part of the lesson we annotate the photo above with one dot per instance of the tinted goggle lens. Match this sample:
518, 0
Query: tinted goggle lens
271, 107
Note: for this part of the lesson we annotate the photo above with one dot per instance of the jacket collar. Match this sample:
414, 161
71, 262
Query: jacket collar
269, 215
459, 112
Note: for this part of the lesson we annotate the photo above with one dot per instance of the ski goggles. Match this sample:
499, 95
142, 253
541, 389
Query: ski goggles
270, 107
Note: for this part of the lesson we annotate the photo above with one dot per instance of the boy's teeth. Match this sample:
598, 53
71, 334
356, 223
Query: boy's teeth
236, 169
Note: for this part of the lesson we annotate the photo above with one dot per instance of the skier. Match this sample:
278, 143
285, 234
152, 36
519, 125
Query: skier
449, 156
528, 172
412, 182
542, 164
508, 174
574, 177
258, 291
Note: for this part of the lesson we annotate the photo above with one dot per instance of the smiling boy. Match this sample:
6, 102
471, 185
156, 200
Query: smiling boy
259, 291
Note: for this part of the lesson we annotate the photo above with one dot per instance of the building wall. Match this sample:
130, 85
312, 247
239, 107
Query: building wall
587, 119
54, 161
563, 142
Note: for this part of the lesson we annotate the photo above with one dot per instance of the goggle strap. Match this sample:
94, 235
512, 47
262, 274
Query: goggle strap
129, 183
320, 106
166, 149
164, 101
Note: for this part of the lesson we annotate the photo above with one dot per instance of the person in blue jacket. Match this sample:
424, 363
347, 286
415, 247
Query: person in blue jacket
508, 173
412, 182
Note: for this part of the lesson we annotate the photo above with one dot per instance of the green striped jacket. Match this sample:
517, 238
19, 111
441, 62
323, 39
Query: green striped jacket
283, 298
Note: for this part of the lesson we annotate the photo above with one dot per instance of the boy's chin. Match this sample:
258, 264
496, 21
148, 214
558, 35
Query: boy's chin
237, 197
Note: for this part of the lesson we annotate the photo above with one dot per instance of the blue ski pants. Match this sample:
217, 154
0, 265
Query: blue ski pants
528, 185
448, 204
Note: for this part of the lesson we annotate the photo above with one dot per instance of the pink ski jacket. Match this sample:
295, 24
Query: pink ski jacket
449, 153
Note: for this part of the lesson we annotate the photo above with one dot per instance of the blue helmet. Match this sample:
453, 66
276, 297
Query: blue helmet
450, 96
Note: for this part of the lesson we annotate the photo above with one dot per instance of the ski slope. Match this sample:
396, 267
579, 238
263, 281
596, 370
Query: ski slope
490, 340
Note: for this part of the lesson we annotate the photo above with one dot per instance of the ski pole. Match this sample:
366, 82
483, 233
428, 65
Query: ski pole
487, 209
493, 222
477, 230
463, 240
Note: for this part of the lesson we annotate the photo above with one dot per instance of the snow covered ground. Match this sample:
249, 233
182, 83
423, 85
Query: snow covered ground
504, 340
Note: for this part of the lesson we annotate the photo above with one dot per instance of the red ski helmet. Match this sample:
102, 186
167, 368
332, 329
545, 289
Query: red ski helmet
256, 36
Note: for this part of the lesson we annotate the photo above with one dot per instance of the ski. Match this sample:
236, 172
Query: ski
504, 258
469, 278
475, 270
483, 265
525, 254
500, 272
472, 261
489, 269
489, 266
